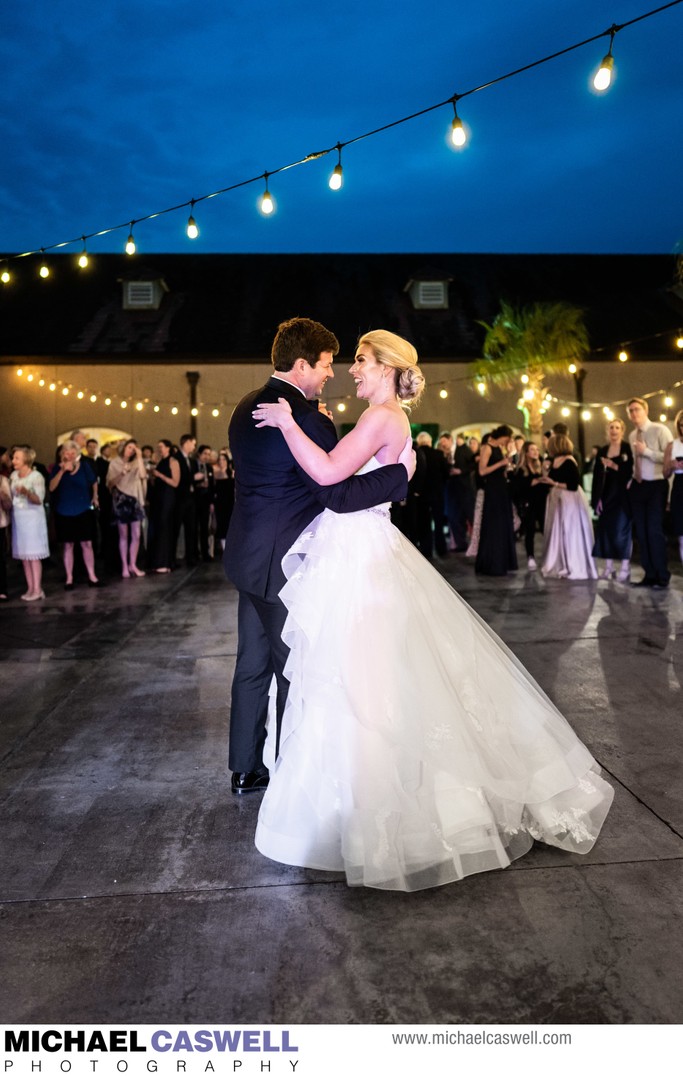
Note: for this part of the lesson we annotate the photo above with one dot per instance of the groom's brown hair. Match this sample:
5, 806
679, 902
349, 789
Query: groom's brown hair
301, 338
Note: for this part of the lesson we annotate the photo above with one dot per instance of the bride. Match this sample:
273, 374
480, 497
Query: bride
415, 747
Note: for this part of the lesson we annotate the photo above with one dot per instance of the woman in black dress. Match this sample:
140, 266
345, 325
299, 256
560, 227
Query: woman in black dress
531, 492
162, 497
609, 500
496, 554
224, 497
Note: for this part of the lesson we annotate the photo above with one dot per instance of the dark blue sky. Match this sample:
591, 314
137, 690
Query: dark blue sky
113, 111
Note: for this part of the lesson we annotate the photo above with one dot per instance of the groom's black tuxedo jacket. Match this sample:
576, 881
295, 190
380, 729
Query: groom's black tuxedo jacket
275, 499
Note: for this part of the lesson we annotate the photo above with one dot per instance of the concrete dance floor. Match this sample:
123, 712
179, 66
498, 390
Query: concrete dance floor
131, 891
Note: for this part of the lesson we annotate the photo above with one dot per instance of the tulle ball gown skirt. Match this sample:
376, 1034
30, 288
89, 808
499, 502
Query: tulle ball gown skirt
416, 749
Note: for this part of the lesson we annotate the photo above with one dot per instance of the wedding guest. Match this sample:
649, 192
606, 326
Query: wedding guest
531, 493
203, 483
673, 465
648, 493
224, 496
612, 473
431, 516
496, 554
73, 486
5, 516
185, 510
473, 546
29, 526
568, 538
127, 481
165, 478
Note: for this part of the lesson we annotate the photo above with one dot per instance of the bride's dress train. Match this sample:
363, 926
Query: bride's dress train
415, 747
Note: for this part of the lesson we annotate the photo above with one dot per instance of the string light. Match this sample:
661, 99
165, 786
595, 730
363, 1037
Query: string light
443, 393
139, 406
65, 391
215, 412
572, 367
107, 401
194, 412
156, 409
341, 407
267, 205
192, 229
586, 415
668, 402
458, 133
623, 356
174, 410
130, 242
606, 66
679, 340
5, 276
603, 76
336, 179
52, 387
93, 398
44, 270
83, 259
30, 377
565, 412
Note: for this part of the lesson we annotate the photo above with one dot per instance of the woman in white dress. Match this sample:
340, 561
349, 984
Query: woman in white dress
568, 530
415, 748
29, 526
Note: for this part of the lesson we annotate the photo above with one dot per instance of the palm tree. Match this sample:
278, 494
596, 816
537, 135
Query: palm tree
526, 343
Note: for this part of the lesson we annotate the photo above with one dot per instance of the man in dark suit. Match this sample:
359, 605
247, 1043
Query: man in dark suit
203, 483
185, 510
275, 500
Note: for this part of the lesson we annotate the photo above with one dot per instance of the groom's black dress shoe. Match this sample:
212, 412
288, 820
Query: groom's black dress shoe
255, 781
645, 582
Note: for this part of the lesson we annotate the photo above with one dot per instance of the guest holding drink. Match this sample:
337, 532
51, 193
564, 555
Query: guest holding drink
73, 486
29, 526
609, 498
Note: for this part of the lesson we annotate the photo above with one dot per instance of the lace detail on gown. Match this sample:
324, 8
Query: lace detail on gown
415, 748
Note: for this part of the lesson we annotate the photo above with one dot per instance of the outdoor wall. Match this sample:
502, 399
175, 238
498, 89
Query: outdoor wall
39, 417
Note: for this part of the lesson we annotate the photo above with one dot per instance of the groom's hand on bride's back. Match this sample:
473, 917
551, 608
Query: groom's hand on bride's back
408, 458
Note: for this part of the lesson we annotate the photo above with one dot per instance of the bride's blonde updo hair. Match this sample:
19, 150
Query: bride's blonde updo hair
392, 350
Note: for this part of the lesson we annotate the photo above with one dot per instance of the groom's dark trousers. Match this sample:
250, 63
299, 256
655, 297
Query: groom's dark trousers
275, 500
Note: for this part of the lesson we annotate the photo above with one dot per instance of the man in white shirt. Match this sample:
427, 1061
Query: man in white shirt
648, 492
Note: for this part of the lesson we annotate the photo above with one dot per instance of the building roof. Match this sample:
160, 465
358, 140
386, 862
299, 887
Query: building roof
226, 307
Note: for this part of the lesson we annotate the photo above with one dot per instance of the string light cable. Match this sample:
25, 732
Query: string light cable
452, 100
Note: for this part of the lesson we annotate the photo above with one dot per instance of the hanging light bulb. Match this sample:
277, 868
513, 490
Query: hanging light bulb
458, 132
30, 377
139, 406
194, 412
65, 391
603, 76
668, 401
130, 242
679, 338
156, 409
623, 356
124, 404
44, 270
336, 180
93, 398
52, 387
83, 258
565, 412
443, 393
5, 276
174, 410
267, 205
341, 406
80, 394
215, 412
524, 379
586, 416
528, 394
192, 229
572, 367
107, 401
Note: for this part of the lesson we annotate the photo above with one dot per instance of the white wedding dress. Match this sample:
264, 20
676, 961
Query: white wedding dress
415, 747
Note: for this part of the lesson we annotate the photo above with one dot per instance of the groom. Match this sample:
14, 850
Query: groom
275, 500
